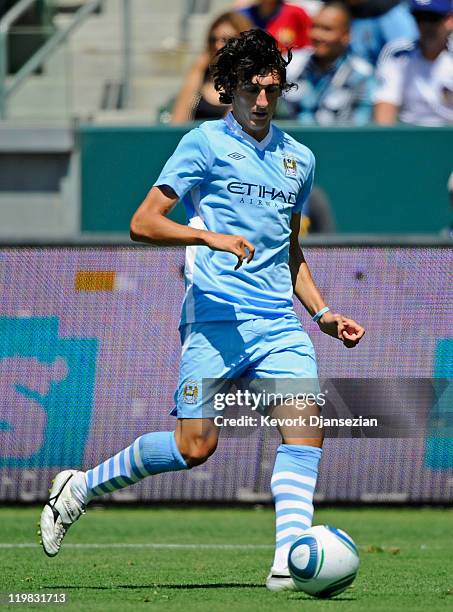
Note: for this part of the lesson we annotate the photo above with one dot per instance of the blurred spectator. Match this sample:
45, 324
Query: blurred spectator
318, 217
289, 24
415, 80
378, 22
198, 98
334, 86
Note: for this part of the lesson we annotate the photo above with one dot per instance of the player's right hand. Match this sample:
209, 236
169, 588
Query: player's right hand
237, 245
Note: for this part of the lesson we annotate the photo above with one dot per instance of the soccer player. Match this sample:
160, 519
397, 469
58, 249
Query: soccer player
244, 183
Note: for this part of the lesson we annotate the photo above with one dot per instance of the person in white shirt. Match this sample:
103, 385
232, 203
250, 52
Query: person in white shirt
415, 80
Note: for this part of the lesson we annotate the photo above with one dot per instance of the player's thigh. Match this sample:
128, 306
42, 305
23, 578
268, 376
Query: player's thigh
287, 371
285, 351
284, 363
207, 360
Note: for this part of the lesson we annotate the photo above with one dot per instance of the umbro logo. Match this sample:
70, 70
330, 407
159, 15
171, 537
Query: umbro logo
236, 156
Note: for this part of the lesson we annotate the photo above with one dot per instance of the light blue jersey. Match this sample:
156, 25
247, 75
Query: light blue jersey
232, 184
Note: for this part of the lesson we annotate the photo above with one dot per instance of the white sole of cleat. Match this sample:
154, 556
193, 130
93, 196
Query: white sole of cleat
280, 583
47, 527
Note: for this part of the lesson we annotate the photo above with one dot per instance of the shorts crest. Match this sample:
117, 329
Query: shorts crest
190, 392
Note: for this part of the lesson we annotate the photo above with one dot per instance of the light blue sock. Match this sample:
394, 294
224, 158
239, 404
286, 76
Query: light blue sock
152, 453
293, 486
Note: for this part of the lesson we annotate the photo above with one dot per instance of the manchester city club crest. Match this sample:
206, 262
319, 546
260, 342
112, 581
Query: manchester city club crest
190, 392
290, 165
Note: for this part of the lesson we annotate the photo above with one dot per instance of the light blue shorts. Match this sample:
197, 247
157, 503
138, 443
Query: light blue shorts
251, 349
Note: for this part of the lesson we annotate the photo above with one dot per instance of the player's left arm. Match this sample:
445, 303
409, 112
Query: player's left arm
336, 325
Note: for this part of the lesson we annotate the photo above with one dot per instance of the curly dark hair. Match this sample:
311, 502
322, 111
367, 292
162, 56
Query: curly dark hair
251, 53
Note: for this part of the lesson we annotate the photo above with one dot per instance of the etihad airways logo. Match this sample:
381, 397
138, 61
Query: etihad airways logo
261, 192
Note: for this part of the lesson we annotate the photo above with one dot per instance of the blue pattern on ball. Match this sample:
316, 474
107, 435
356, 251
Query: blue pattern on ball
310, 569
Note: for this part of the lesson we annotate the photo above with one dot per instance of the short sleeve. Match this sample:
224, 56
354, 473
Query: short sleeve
189, 164
389, 77
302, 198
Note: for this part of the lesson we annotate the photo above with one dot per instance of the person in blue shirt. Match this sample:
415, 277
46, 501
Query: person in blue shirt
333, 85
378, 22
244, 184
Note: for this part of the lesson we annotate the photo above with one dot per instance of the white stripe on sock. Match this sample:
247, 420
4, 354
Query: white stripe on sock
292, 518
293, 505
130, 474
295, 531
308, 480
138, 460
96, 476
116, 465
284, 488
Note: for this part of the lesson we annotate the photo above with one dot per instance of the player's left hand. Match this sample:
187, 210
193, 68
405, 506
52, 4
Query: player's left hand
342, 328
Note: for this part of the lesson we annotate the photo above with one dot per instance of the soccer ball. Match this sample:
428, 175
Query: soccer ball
323, 561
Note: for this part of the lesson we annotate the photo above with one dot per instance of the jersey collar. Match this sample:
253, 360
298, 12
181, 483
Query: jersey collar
236, 128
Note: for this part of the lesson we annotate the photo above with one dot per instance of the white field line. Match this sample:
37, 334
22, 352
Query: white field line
176, 546
145, 545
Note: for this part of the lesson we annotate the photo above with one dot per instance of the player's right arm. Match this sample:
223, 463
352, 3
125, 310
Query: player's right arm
150, 224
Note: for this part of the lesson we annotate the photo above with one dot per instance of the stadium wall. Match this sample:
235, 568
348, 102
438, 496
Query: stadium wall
385, 180
89, 353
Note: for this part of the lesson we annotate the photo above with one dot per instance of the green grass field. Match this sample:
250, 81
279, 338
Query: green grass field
216, 559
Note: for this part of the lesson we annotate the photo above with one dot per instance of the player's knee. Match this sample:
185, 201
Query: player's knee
197, 450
